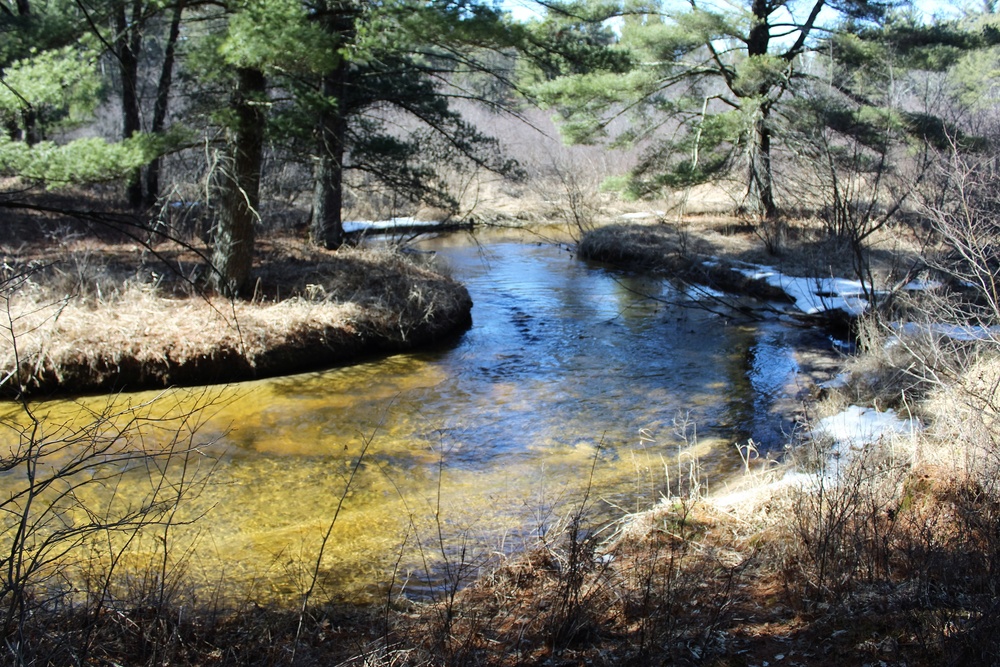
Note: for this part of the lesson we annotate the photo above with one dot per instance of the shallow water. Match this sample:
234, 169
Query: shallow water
573, 386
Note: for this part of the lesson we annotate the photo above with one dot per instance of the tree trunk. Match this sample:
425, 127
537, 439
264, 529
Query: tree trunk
337, 19
128, 40
327, 227
760, 191
760, 32
232, 256
162, 101
28, 117
31, 134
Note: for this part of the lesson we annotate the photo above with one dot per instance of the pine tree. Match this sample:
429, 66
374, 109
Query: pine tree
338, 74
46, 89
51, 82
701, 85
390, 58
350, 85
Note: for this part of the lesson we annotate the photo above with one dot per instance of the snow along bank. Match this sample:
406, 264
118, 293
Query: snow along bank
851, 431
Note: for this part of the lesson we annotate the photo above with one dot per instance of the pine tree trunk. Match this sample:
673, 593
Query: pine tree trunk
128, 40
31, 134
327, 228
760, 192
760, 188
232, 255
337, 19
28, 117
162, 101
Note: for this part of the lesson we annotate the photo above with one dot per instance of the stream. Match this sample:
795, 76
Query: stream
576, 389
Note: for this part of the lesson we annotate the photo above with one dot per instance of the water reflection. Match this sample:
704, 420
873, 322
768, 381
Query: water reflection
489, 442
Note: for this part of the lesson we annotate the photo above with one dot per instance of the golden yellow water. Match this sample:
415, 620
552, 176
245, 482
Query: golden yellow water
570, 385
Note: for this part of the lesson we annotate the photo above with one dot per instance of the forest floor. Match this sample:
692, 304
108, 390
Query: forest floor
891, 559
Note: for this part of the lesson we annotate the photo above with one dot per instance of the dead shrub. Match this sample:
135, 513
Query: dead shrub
845, 518
665, 587
899, 365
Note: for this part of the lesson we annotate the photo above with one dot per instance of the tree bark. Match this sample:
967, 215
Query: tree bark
337, 19
327, 227
30, 133
760, 31
760, 192
162, 101
232, 254
128, 41
760, 189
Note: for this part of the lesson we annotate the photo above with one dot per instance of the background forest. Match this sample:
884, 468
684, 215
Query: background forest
848, 136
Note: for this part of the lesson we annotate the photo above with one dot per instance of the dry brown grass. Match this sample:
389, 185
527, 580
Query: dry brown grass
684, 584
312, 308
661, 243
892, 560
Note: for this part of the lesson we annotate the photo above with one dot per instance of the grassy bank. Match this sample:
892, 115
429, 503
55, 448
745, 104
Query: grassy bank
87, 315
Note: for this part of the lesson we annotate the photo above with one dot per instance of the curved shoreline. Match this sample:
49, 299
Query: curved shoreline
346, 308
152, 341
317, 349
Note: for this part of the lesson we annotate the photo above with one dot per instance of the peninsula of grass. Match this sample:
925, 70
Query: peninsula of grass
663, 249
89, 314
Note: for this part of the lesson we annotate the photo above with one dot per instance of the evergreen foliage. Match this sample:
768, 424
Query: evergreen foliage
59, 85
381, 93
51, 82
702, 87
345, 85
88, 160
362, 90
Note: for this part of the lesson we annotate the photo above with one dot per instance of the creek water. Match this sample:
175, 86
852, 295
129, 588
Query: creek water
576, 387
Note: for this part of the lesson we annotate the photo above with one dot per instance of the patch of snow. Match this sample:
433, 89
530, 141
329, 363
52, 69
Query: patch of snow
923, 285
952, 331
856, 426
642, 215
851, 430
814, 295
833, 383
387, 225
